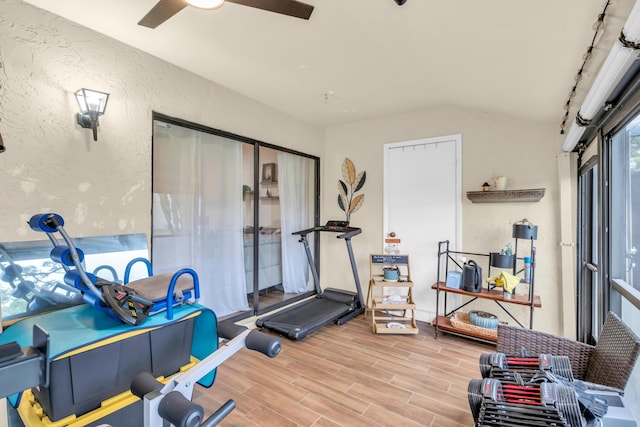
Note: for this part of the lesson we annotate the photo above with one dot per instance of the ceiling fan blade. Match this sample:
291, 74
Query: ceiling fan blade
293, 8
162, 11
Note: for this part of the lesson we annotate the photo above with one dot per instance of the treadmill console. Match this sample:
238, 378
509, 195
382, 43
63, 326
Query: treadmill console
333, 226
336, 225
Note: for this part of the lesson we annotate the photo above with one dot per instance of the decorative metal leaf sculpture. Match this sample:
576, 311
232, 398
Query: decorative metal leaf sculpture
351, 183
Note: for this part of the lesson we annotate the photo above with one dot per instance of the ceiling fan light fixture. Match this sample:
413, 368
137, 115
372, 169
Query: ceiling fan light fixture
205, 4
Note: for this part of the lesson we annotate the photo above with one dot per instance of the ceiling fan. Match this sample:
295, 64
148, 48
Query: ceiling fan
165, 9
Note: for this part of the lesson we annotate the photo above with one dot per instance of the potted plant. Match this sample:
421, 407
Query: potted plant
503, 259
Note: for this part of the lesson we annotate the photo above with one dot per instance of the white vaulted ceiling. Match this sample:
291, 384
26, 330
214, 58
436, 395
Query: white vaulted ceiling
359, 59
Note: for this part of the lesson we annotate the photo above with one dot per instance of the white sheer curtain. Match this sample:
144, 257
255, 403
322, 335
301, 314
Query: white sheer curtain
197, 217
295, 184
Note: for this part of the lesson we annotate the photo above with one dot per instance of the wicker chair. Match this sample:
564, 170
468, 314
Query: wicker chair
609, 363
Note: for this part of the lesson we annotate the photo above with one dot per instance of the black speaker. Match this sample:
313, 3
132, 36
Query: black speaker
400, 2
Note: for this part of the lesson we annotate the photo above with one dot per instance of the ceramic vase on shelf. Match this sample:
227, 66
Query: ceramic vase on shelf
500, 183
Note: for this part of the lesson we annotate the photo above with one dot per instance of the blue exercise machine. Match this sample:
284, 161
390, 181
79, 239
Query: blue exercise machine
142, 333
130, 303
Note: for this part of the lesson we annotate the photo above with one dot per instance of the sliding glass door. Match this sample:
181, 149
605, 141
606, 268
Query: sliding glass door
590, 293
197, 212
285, 197
226, 206
609, 234
624, 196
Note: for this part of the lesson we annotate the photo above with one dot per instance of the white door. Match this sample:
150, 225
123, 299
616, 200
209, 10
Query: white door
422, 206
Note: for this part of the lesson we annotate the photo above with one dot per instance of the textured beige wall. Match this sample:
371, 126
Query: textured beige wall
492, 144
52, 164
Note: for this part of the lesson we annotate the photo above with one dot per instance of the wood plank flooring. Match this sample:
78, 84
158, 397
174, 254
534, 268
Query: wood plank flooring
348, 376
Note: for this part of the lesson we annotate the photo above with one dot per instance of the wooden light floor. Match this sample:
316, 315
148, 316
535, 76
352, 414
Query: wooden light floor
347, 376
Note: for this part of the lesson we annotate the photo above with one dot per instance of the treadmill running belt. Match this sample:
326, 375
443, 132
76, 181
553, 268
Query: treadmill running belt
306, 317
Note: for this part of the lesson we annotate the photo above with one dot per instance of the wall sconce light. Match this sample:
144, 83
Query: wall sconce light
2, 147
92, 105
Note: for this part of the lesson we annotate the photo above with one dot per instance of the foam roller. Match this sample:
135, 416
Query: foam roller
73, 278
62, 254
46, 222
180, 411
144, 383
93, 301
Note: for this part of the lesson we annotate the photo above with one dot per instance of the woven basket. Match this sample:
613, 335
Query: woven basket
460, 320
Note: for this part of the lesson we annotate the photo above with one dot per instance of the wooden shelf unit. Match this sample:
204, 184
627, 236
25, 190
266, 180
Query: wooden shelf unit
507, 196
496, 294
384, 319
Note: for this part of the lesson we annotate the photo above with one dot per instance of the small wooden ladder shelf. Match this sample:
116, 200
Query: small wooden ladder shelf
387, 297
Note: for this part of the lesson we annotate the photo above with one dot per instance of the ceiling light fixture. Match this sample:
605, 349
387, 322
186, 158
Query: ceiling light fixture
92, 105
618, 62
206, 4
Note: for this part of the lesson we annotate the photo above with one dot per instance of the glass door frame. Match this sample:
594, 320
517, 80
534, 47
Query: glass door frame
257, 144
589, 289
257, 309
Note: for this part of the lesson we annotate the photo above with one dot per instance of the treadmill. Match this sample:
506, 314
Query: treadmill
332, 305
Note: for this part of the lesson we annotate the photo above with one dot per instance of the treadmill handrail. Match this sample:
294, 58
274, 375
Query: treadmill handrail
348, 231
352, 231
304, 232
